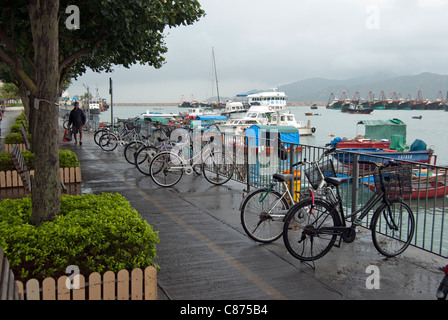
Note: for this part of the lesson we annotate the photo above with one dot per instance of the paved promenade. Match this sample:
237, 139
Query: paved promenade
204, 253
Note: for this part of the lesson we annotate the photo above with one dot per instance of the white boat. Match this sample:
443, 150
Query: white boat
199, 111
148, 114
234, 108
272, 100
285, 118
264, 106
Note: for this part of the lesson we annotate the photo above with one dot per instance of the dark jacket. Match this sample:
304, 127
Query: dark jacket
77, 118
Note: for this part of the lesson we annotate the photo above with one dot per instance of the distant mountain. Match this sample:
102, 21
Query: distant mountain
320, 89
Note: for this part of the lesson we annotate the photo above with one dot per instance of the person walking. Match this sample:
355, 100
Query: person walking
76, 121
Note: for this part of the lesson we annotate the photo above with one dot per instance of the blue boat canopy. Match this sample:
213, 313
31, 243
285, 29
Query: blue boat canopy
211, 117
288, 134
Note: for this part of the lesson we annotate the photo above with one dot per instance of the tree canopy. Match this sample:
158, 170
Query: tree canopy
42, 52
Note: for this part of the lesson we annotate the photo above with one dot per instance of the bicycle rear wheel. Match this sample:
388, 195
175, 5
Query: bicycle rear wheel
308, 231
130, 151
108, 142
262, 215
166, 169
99, 134
218, 168
143, 159
392, 230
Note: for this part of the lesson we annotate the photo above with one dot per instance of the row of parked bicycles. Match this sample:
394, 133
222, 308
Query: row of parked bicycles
164, 160
311, 223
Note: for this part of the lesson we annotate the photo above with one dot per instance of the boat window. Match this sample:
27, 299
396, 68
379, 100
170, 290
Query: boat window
290, 118
274, 118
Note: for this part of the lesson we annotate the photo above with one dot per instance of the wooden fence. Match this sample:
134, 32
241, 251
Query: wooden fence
11, 179
124, 285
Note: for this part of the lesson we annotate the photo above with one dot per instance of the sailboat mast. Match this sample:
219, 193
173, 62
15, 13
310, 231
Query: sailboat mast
216, 74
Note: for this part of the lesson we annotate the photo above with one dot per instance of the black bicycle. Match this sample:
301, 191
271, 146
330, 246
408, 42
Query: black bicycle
313, 225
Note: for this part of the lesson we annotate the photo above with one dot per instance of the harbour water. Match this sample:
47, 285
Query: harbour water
432, 128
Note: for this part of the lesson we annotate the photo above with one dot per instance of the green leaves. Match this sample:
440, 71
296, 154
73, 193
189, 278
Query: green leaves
93, 232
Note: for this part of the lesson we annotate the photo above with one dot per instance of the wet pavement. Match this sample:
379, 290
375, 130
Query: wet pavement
204, 253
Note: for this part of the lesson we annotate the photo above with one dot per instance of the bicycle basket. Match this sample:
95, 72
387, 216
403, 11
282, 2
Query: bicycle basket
396, 180
314, 176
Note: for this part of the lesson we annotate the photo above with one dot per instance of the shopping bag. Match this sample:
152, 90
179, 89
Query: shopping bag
67, 135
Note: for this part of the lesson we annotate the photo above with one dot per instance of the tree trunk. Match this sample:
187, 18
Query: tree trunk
46, 188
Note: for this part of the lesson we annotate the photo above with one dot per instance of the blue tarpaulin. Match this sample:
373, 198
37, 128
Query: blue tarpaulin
288, 134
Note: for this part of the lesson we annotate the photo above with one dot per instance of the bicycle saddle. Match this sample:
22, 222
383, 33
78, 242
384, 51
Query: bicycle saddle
283, 177
336, 181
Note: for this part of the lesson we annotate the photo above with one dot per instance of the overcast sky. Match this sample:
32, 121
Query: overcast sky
261, 44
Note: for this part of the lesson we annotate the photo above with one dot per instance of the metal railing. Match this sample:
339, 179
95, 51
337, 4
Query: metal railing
257, 163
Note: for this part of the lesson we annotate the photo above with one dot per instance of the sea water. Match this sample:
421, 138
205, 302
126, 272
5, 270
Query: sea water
432, 128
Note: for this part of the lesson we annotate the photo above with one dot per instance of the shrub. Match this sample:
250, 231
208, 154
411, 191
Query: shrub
67, 159
13, 138
94, 232
15, 127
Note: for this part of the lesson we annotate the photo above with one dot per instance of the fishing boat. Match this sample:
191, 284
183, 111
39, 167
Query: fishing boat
421, 189
94, 108
378, 154
356, 109
383, 138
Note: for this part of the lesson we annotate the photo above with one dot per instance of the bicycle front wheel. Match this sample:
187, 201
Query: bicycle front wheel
308, 232
392, 228
262, 215
218, 168
166, 169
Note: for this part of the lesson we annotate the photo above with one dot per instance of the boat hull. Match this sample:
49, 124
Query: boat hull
439, 191
377, 155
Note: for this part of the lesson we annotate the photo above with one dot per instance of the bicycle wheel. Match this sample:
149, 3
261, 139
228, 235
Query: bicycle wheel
308, 231
99, 134
262, 215
166, 169
143, 159
108, 142
130, 151
218, 168
392, 230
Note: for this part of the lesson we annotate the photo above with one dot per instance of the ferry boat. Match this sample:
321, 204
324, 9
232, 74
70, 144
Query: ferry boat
273, 100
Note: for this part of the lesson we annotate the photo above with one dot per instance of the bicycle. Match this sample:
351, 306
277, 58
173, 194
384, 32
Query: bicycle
264, 209
312, 226
167, 168
110, 140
